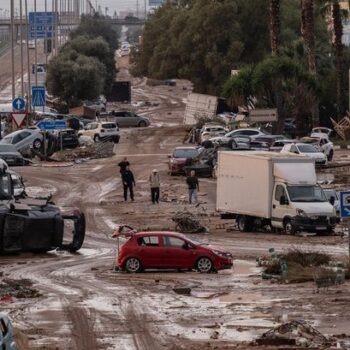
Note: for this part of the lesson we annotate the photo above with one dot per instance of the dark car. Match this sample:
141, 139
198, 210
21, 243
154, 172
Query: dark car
182, 157
170, 250
67, 138
10, 155
270, 139
127, 119
259, 146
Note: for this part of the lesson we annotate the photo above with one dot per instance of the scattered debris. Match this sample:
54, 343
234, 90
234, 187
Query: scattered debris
17, 289
92, 151
298, 333
182, 290
187, 222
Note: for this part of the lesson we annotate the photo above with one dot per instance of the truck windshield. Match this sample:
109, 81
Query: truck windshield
306, 194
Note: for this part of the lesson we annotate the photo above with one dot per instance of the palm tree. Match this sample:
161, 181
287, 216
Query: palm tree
275, 26
308, 34
338, 47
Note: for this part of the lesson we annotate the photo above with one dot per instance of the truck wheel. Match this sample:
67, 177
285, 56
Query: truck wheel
288, 227
244, 224
330, 155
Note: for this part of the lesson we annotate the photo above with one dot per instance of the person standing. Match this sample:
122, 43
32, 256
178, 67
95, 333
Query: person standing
128, 183
123, 164
193, 187
154, 182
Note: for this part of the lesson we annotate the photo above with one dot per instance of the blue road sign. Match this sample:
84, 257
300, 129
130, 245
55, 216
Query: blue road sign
41, 24
38, 96
19, 104
52, 125
345, 204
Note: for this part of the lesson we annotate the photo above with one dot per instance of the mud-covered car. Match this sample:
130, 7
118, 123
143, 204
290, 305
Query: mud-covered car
34, 225
7, 341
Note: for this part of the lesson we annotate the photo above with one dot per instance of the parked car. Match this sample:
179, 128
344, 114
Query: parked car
10, 155
101, 131
170, 250
269, 139
321, 143
17, 184
67, 138
225, 140
98, 106
181, 157
23, 140
278, 145
7, 341
126, 119
306, 149
259, 146
321, 131
333, 198
211, 130
290, 125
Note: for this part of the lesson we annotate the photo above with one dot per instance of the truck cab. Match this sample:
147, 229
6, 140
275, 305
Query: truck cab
302, 208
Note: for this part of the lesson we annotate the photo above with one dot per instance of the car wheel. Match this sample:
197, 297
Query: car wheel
37, 144
330, 155
96, 138
288, 227
133, 265
204, 265
142, 124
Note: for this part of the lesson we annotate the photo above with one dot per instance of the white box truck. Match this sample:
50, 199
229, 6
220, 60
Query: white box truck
261, 189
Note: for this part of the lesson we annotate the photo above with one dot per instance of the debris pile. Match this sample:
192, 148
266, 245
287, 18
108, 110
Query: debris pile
93, 151
298, 333
187, 222
17, 289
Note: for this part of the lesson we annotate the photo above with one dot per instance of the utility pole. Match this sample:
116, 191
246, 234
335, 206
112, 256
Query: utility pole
12, 51
46, 41
35, 46
21, 47
29, 102
137, 8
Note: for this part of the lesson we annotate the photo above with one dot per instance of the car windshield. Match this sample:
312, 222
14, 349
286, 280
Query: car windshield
7, 148
307, 149
108, 126
306, 194
194, 242
186, 153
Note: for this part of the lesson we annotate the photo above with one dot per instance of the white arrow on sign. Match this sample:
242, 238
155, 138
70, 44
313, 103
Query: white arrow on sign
19, 118
347, 210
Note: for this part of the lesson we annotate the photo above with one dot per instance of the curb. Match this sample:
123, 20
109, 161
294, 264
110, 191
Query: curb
338, 147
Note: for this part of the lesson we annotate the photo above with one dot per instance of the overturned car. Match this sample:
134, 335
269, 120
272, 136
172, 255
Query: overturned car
34, 225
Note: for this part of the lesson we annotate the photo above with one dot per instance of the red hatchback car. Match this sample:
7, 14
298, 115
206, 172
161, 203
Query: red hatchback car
170, 250
181, 157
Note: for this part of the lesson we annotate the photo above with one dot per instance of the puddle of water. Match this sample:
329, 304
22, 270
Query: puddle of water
242, 298
245, 268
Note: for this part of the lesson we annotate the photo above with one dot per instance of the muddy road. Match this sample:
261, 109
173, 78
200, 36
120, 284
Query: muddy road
84, 304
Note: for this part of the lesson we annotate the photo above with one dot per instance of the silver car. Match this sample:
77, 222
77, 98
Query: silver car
124, 119
6, 334
24, 140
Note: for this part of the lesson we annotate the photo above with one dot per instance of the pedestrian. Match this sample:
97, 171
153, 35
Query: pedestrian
123, 164
154, 182
193, 187
128, 183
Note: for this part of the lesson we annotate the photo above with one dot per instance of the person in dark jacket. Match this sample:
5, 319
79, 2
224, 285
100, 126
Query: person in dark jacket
128, 183
123, 164
193, 187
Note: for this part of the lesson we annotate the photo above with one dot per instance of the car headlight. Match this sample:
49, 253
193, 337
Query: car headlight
222, 254
301, 212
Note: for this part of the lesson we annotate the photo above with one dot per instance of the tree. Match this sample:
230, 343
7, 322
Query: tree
308, 33
73, 77
275, 26
338, 46
276, 74
98, 48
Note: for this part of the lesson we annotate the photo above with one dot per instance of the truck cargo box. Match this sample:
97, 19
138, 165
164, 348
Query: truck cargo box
246, 179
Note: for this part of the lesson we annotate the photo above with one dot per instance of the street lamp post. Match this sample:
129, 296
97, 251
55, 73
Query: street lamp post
12, 51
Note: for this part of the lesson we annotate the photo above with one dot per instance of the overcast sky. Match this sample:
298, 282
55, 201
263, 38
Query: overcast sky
113, 5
